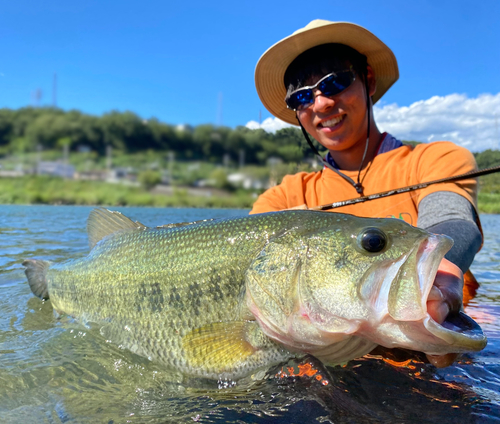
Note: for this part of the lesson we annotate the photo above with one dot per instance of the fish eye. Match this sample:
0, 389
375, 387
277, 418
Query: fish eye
372, 240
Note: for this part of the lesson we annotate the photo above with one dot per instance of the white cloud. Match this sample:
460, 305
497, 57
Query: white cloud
470, 122
269, 125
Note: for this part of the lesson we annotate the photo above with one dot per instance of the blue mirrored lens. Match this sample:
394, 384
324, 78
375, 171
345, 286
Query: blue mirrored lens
329, 86
335, 84
300, 98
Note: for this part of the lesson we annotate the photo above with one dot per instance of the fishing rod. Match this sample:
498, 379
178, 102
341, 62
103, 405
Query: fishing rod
400, 190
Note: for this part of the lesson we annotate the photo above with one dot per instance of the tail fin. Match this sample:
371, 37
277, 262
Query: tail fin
36, 271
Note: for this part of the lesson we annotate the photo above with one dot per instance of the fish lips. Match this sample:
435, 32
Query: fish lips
396, 293
408, 292
459, 332
458, 329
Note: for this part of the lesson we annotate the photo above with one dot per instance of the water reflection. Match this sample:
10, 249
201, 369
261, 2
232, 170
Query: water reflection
57, 371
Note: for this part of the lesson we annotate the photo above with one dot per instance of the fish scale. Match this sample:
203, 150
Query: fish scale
133, 280
225, 298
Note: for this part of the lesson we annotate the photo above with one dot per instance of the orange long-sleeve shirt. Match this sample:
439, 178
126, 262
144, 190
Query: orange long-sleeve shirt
400, 167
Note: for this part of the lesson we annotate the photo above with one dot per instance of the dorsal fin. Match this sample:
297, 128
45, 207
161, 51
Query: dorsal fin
183, 224
103, 222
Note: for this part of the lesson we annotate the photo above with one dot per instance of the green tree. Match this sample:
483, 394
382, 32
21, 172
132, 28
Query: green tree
488, 158
219, 179
149, 178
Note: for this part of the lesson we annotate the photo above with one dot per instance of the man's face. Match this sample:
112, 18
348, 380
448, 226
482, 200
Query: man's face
339, 122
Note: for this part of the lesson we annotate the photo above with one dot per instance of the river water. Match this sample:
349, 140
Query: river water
54, 370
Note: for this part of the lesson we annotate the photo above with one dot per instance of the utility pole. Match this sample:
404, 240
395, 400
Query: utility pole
109, 153
36, 97
242, 158
65, 154
38, 158
171, 157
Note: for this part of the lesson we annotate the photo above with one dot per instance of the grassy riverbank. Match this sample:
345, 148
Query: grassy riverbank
50, 190
489, 203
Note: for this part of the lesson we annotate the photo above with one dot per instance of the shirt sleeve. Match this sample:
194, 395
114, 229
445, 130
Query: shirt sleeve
288, 194
442, 206
451, 214
444, 159
273, 199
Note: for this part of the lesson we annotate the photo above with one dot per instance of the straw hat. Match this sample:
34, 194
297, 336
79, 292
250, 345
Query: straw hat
271, 67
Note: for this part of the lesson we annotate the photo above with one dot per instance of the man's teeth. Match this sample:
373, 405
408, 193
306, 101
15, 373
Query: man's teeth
332, 122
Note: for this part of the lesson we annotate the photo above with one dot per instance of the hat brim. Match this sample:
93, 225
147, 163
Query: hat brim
271, 67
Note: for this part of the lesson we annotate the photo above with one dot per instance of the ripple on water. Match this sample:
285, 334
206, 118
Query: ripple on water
56, 370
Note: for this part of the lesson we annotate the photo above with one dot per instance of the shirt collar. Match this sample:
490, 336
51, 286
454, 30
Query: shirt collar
387, 144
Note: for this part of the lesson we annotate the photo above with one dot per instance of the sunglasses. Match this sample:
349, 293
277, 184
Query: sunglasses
329, 85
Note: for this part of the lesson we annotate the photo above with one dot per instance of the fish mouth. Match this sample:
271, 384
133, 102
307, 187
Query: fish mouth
430, 254
458, 329
401, 304
409, 280
461, 323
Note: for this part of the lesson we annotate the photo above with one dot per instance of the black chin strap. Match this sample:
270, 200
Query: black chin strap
358, 185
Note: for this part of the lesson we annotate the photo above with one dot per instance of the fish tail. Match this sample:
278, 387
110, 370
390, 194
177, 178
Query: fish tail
36, 271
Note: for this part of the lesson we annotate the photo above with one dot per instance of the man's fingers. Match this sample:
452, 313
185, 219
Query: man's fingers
446, 294
435, 294
438, 310
445, 297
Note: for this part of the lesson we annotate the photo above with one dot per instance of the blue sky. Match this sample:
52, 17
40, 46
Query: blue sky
175, 60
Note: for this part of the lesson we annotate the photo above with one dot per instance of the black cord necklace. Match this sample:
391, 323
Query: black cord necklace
357, 185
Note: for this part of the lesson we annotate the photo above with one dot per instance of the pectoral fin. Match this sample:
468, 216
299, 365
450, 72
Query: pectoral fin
219, 344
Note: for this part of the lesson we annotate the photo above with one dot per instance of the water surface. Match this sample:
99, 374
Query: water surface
54, 370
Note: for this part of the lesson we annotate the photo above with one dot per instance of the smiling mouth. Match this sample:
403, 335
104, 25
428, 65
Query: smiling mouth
331, 122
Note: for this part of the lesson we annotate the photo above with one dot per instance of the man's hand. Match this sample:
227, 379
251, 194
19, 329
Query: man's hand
446, 296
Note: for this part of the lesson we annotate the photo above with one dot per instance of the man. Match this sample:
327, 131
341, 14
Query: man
325, 78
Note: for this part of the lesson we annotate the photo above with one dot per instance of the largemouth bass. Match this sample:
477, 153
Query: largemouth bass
224, 298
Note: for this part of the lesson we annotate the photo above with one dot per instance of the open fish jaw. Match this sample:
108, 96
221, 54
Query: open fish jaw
430, 254
408, 293
407, 327
461, 331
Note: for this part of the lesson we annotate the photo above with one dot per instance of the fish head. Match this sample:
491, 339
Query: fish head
338, 290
